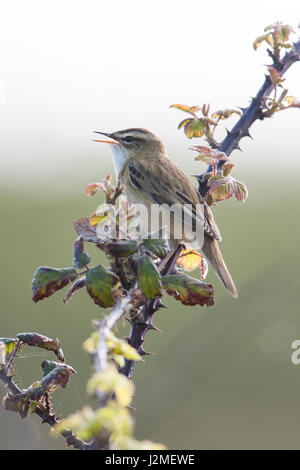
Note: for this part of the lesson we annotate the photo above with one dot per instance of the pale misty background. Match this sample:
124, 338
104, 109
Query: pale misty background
222, 377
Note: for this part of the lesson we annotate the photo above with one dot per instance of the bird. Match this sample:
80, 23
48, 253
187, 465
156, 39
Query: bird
151, 178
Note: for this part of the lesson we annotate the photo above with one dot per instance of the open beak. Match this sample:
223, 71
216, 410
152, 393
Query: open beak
105, 141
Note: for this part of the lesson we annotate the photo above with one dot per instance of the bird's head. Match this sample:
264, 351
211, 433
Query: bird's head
132, 143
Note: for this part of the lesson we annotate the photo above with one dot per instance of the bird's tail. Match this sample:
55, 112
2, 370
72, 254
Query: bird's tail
212, 253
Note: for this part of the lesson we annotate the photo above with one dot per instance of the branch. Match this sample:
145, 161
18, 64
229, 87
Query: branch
250, 114
45, 415
104, 327
140, 325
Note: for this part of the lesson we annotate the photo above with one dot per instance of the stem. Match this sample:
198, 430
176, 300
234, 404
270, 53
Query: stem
249, 116
45, 415
140, 326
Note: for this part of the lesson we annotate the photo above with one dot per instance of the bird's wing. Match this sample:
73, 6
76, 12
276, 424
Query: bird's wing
164, 183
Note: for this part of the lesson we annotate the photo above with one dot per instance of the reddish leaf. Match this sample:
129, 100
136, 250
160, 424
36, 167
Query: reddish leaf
92, 189
47, 280
188, 290
275, 76
241, 192
221, 187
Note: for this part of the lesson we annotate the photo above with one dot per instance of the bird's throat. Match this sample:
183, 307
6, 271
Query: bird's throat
120, 157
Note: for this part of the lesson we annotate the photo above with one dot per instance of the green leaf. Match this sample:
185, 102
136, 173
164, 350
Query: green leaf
99, 284
48, 366
195, 128
41, 341
122, 249
47, 280
81, 258
157, 246
188, 290
148, 277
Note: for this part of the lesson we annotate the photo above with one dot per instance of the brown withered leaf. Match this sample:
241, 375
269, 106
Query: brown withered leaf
41, 341
57, 377
74, 287
188, 290
86, 230
20, 402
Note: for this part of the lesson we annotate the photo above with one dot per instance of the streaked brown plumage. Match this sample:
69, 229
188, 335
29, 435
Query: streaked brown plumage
151, 177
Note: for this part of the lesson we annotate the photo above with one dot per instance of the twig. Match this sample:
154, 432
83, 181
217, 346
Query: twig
140, 325
104, 327
46, 416
249, 115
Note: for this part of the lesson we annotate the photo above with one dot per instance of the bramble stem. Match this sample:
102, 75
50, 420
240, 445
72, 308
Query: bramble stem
250, 114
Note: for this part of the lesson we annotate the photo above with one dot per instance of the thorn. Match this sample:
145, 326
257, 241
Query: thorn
142, 352
246, 133
242, 109
237, 147
159, 304
128, 319
153, 327
228, 132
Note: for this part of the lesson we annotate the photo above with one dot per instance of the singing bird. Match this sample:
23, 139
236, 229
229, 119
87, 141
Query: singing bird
150, 177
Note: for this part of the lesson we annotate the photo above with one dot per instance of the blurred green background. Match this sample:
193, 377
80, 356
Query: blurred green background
221, 377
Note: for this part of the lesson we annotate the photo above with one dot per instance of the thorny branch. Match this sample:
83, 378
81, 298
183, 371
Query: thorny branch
45, 415
250, 114
141, 324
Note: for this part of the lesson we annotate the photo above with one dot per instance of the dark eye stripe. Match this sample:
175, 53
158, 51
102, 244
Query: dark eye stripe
135, 182
129, 138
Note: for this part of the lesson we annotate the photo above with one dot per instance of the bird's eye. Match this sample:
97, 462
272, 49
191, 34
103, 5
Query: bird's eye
128, 139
